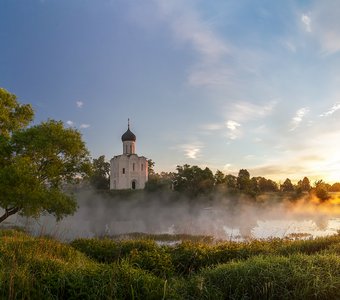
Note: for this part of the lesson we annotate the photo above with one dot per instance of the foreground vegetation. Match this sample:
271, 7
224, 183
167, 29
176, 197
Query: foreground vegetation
43, 268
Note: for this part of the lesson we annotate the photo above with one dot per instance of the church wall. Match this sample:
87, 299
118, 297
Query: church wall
135, 169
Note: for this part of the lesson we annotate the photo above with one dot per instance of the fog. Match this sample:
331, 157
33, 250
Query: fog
223, 217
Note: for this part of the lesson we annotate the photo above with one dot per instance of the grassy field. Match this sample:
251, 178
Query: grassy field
196, 268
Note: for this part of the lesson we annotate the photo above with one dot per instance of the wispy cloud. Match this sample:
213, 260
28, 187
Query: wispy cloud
238, 114
297, 119
333, 109
233, 129
80, 104
245, 111
188, 27
83, 126
70, 123
212, 127
201, 75
307, 21
289, 45
191, 150
325, 22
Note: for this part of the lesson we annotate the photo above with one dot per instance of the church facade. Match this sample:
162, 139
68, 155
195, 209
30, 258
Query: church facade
128, 170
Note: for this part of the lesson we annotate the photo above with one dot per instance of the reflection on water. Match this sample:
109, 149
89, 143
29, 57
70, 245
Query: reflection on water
224, 218
260, 229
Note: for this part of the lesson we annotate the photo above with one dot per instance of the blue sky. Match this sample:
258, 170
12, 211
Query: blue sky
224, 84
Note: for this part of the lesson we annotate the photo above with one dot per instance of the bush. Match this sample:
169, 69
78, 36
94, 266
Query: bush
107, 250
273, 277
38, 268
41, 268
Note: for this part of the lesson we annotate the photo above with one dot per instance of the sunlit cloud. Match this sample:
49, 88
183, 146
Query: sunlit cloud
306, 20
232, 125
83, 126
70, 123
192, 151
297, 119
333, 109
233, 129
80, 104
227, 168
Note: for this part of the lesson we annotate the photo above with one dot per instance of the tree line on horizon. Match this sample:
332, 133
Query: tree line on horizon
194, 181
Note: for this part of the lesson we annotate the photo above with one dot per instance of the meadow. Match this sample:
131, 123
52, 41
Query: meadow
142, 268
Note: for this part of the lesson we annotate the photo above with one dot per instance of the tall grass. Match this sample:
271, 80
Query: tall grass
40, 268
43, 268
270, 277
189, 257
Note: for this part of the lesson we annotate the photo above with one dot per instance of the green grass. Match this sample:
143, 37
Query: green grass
43, 268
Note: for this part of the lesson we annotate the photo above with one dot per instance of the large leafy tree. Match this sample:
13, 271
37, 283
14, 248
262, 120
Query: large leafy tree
37, 162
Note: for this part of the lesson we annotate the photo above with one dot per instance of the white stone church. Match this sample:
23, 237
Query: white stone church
128, 170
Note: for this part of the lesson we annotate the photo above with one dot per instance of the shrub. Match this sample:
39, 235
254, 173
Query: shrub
273, 277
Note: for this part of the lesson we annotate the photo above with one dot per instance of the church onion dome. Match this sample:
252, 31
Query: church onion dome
128, 135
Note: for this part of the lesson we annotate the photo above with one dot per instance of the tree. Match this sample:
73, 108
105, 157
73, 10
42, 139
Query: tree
243, 180
151, 165
321, 190
335, 187
253, 188
267, 185
13, 116
219, 177
36, 162
287, 186
305, 185
100, 177
157, 182
231, 183
193, 180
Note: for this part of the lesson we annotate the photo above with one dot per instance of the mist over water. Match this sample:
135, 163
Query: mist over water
231, 218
